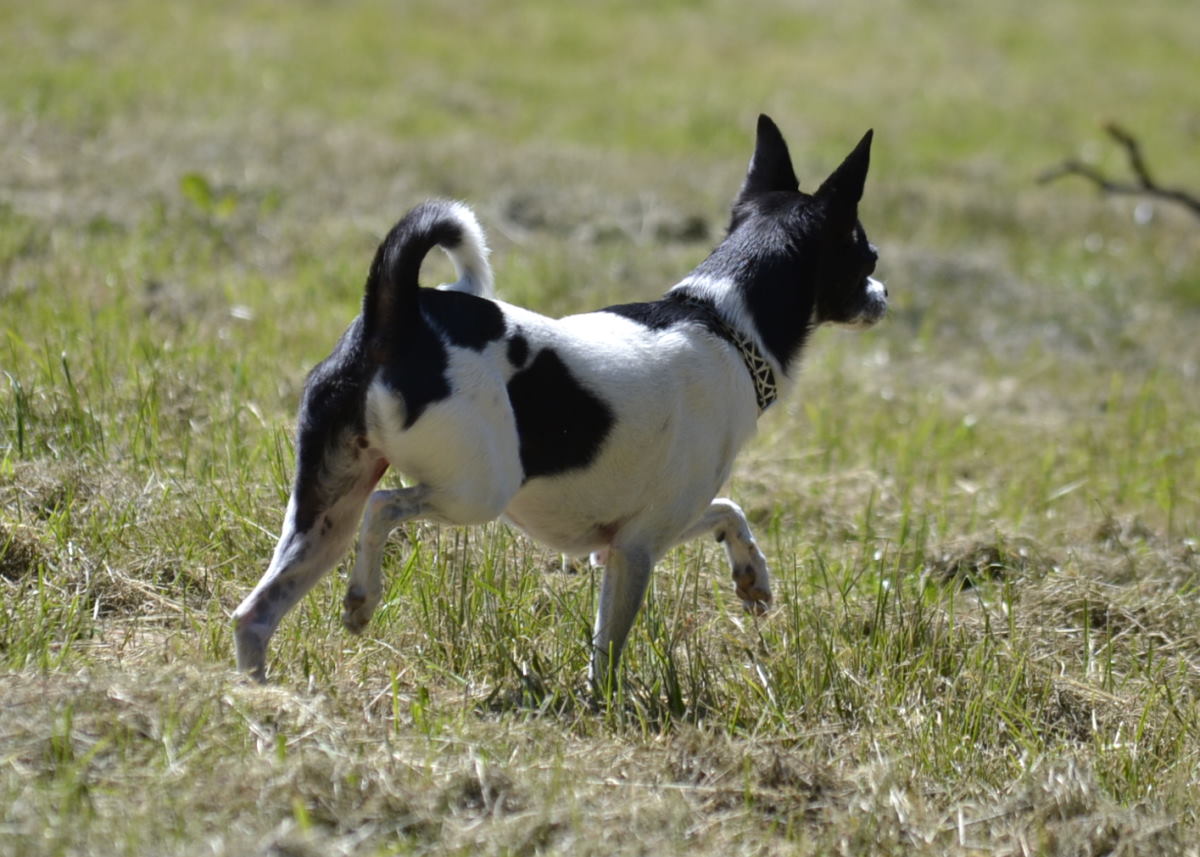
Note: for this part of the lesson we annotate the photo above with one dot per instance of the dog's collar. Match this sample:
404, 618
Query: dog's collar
765, 389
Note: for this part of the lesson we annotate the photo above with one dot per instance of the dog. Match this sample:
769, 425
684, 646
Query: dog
608, 433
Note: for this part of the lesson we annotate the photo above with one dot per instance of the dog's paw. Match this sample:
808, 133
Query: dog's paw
753, 583
357, 608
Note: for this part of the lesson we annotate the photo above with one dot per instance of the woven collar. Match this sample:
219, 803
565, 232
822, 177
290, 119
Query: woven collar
765, 389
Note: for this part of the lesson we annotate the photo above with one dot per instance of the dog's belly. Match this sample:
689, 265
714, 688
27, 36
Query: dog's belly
580, 513
572, 534
587, 510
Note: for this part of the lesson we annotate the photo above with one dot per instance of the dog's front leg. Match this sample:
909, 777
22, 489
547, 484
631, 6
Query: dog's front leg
727, 522
626, 576
385, 511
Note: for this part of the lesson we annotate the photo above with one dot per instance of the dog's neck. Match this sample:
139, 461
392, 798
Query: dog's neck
762, 278
762, 373
776, 316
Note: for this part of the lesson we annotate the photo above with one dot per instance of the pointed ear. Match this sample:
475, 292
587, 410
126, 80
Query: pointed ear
771, 167
844, 187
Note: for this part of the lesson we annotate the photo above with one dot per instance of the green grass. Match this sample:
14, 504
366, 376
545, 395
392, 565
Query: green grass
981, 516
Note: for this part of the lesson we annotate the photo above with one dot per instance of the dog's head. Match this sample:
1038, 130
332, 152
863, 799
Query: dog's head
819, 232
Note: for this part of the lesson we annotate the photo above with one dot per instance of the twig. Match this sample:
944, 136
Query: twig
1145, 185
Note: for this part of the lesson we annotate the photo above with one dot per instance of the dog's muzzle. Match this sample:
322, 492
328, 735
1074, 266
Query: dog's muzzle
875, 304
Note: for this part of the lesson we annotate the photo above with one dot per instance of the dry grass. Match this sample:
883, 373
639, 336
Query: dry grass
136, 766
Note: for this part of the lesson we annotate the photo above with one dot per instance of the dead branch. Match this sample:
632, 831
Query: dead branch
1143, 184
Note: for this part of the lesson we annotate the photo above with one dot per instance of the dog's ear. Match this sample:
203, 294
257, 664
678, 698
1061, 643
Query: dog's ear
843, 189
771, 167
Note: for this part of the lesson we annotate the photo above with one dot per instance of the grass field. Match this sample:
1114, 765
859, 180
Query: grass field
982, 516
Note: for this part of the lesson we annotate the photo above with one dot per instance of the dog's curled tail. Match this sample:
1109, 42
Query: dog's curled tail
390, 301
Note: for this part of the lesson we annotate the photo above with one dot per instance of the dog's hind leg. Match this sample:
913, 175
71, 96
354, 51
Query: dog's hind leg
626, 575
385, 511
316, 533
726, 521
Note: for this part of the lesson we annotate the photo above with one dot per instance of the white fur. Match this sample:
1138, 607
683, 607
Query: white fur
471, 258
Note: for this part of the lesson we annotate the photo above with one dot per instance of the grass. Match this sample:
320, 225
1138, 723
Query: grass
981, 517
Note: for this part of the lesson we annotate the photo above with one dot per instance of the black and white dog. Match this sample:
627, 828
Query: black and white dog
607, 433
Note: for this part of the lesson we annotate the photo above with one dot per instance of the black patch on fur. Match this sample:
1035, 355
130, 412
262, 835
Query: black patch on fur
779, 297
467, 320
518, 351
332, 406
655, 315
417, 358
676, 308
561, 424
416, 353
416, 370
